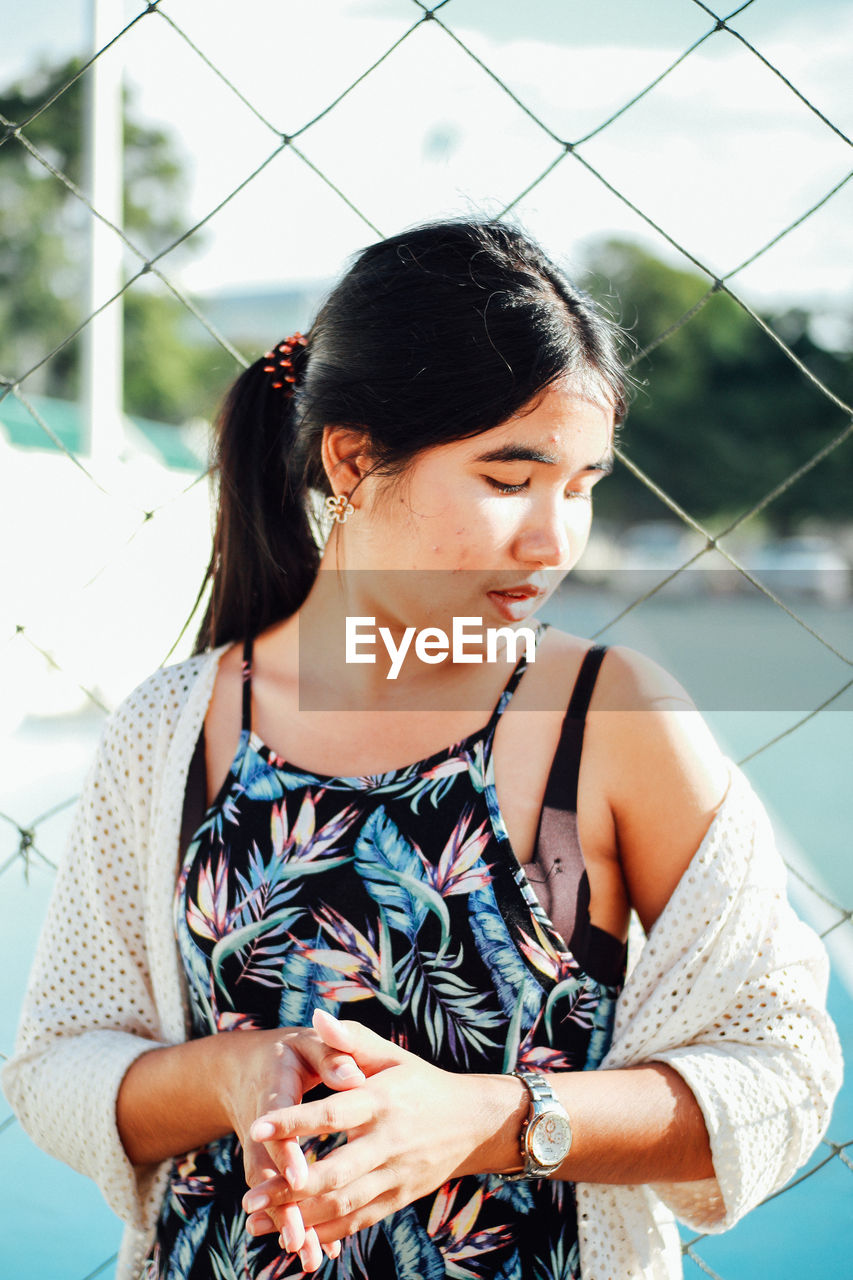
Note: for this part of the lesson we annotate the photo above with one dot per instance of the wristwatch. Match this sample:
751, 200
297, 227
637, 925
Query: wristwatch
546, 1135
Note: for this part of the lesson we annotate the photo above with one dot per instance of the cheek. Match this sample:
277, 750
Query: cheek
460, 527
579, 524
484, 528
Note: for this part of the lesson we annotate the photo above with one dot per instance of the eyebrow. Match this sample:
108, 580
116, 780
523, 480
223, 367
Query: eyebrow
523, 453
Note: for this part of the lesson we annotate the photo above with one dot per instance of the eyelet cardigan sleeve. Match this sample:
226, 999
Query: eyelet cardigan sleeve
106, 985
729, 989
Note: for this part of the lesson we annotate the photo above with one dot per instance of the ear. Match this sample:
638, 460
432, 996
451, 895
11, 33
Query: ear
346, 457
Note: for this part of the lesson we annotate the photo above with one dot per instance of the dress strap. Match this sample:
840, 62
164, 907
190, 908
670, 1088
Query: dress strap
539, 629
247, 684
195, 797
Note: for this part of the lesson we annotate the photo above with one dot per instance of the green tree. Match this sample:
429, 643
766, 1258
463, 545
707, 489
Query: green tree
43, 252
721, 415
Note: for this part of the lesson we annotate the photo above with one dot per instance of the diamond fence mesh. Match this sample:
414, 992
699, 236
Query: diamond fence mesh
55, 630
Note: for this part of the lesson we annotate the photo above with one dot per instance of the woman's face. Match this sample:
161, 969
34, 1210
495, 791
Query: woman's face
485, 526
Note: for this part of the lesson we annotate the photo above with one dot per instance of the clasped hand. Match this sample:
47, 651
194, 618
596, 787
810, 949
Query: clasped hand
409, 1127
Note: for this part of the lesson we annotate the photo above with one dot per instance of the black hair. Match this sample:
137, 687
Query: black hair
436, 334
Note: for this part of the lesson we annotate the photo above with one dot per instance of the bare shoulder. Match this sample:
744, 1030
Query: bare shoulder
630, 681
665, 774
227, 687
223, 719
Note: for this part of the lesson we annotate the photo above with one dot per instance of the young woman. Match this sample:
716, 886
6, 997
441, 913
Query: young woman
370, 1015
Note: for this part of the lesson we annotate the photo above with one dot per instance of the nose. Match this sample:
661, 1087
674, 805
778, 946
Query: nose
550, 535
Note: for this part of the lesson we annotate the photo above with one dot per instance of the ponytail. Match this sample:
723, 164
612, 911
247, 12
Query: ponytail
264, 556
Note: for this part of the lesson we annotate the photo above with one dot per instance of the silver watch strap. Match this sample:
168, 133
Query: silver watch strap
540, 1092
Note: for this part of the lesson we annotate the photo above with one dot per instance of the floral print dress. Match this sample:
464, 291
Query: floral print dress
396, 900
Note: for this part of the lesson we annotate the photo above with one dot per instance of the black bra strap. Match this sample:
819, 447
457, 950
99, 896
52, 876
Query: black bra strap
557, 870
585, 683
247, 684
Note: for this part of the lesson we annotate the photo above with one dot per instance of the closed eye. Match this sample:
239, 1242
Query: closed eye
506, 488
501, 487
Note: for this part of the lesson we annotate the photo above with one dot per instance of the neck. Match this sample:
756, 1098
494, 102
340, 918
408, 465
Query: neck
355, 654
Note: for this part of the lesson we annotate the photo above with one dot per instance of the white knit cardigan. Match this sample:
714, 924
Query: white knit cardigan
729, 990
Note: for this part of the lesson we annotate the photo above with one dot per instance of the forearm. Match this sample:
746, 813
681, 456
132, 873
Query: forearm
640, 1124
171, 1100
180, 1097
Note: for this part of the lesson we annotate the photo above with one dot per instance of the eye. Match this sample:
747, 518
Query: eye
506, 488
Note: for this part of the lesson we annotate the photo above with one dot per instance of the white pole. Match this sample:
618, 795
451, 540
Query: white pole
103, 346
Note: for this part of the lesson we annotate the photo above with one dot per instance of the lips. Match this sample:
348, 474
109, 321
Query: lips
519, 593
515, 603
523, 591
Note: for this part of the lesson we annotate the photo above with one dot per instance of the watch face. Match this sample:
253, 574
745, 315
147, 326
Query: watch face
549, 1138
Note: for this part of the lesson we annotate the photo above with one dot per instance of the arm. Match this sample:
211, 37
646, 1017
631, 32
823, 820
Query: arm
753, 1039
412, 1127
96, 1078
730, 990
177, 1098
89, 1011
661, 770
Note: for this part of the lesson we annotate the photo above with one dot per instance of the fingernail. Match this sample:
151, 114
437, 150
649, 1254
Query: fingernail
285, 1241
332, 1250
256, 1200
346, 1071
261, 1130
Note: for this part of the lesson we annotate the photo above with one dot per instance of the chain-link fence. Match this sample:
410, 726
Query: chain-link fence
60, 631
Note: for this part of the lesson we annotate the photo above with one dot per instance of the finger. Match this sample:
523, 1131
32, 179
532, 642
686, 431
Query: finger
263, 1163
301, 1065
267, 1195
371, 1052
344, 1204
258, 1165
290, 1161
339, 1169
305, 1060
293, 1077
283, 1220
336, 1114
371, 1200
339, 1070
260, 1224
311, 1255
291, 1227
270, 1212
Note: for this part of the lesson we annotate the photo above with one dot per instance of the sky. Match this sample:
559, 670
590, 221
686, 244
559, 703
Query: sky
722, 155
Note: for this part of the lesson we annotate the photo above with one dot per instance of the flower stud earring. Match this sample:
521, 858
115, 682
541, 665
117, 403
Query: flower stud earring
339, 508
